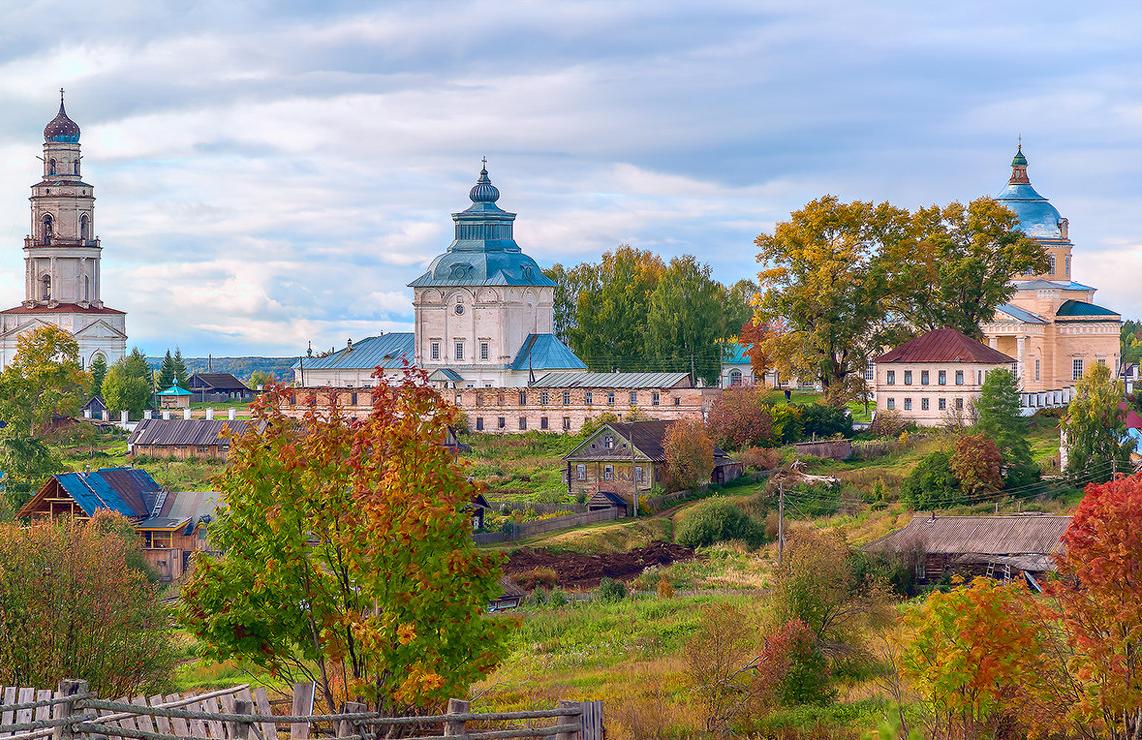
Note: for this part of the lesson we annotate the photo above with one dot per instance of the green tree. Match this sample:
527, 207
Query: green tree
166, 372
25, 463
98, 373
569, 283
611, 312
825, 289
125, 390
685, 321
346, 555
1095, 429
738, 307
999, 418
181, 375
260, 378
43, 380
956, 265
931, 484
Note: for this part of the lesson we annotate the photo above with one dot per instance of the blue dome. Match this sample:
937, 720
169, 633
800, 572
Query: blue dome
1037, 217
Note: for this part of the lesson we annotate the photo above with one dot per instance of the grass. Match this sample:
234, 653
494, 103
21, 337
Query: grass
86, 448
521, 467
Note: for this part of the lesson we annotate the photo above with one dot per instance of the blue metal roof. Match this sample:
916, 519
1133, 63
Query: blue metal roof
546, 352
1050, 285
735, 354
446, 374
174, 390
484, 251
1022, 314
99, 489
389, 351
1037, 217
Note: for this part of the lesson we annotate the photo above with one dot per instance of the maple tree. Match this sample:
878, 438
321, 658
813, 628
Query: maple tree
976, 463
346, 553
689, 454
738, 418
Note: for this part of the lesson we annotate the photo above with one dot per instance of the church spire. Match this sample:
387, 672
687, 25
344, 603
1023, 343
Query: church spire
1019, 166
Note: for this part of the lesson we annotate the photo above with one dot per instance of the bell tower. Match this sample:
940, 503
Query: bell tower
61, 254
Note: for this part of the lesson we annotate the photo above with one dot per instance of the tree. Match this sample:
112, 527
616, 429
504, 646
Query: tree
718, 521
261, 378
1095, 429
825, 289
124, 389
25, 462
689, 454
89, 614
821, 420
738, 310
931, 484
98, 373
166, 372
738, 418
685, 321
347, 555
969, 653
1100, 605
569, 284
181, 375
44, 380
999, 417
611, 311
955, 267
976, 464
756, 337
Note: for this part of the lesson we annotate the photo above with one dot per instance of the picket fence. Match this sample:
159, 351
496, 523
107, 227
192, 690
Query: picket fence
73, 713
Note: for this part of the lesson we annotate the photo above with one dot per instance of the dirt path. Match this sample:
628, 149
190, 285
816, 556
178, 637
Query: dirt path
578, 570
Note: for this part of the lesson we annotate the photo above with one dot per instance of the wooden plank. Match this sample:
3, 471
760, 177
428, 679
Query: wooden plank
197, 726
227, 703
178, 725
592, 720
162, 724
302, 706
128, 722
145, 722
214, 728
8, 718
43, 712
262, 705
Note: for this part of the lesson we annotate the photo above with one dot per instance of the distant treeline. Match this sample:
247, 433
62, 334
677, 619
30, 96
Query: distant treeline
239, 367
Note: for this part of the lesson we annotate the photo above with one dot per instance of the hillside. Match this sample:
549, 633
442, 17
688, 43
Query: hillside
239, 367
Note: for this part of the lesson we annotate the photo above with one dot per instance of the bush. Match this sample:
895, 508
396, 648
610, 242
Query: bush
888, 424
787, 425
718, 521
738, 418
760, 458
825, 421
611, 590
557, 598
664, 588
536, 577
813, 499
932, 485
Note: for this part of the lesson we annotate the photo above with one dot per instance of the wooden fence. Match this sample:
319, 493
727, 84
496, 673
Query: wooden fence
73, 713
542, 526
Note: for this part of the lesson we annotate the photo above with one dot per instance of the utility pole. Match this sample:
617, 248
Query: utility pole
780, 521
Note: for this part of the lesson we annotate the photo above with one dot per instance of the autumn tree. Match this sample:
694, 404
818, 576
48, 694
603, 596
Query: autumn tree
1099, 600
756, 338
689, 454
685, 320
346, 554
999, 417
260, 378
43, 380
71, 606
739, 418
823, 285
976, 463
955, 266
1095, 427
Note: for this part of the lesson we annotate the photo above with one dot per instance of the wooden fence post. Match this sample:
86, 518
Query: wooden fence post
592, 720
67, 687
456, 728
303, 694
240, 730
347, 727
577, 735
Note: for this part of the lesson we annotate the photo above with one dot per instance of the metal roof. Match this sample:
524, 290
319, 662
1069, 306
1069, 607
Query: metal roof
445, 374
218, 381
1037, 217
174, 390
613, 380
1049, 285
184, 432
1025, 534
944, 345
1082, 308
1022, 314
546, 352
390, 351
735, 354
129, 491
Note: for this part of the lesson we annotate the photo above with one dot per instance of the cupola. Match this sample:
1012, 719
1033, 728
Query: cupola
61, 128
484, 191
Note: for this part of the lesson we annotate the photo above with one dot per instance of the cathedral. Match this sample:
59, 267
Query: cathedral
484, 314
61, 257
1051, 326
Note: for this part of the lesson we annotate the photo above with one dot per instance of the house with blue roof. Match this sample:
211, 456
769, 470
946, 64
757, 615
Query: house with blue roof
1051, 325
484, 315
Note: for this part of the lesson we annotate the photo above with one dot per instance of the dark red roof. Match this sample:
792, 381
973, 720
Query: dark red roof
945, 345
63, 308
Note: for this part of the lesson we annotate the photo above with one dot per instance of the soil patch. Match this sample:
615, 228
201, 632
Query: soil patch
577, 570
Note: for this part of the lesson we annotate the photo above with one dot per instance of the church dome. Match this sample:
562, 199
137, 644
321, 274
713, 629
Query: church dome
1038, 219
484, 191
61, 128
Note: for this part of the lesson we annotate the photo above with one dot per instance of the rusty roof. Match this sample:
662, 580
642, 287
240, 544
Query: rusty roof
1020, 534
182, 432
63, 308
945, 345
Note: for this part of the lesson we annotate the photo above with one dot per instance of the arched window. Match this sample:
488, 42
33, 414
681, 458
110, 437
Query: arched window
47, 230
46, 287
84, 227
75, 167
735, 378
51, 166
86, 289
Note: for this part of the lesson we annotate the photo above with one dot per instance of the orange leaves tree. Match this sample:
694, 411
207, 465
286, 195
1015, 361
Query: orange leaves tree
738, 418
73, 606
346, 554
689, 454
1100, 604
977, 464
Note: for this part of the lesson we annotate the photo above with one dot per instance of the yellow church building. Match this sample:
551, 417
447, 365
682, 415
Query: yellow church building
1051, 326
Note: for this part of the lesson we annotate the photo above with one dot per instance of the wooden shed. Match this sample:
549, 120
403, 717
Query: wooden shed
183, 438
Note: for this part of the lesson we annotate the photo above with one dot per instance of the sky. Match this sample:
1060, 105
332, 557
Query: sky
273, 173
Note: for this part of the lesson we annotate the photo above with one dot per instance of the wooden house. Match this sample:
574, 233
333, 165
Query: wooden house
94, 408
620, 457
218, 388
171, 525
183, 438
174, 398
1004, 547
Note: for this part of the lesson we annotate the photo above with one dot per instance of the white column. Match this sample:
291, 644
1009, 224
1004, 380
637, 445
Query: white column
186, 413
148, 414
230, 415
209, 413
166, 414
123, 417
1020, 348
993, 342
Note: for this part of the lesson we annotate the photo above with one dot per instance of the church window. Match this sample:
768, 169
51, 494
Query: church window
51, 166
959, 377
483, 350
434, 350
459, 353
735, 378
84, 227
1068, 263
75, 169
46, 287
1076, 369
523, 398
1051, 264
1037, 363
47, 223
890, 378
459, 309
924, 377
86, 288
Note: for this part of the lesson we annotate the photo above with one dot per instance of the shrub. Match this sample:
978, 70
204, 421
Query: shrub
977, 464
760, 458
536, 577
814, 499
611, 590
689, 454
557, 598
888, 424
932, 484
825, 421
738, 418
718, 521
664, 589
787, 424
870, 449
538, 597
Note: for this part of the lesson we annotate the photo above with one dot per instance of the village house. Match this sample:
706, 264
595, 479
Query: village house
183, 438
218, 388
171, 525
619, 459
1005, 547
935, 377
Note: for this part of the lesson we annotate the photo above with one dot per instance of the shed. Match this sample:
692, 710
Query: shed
95, 408
183, 438
174, 398
511, 596
604, 500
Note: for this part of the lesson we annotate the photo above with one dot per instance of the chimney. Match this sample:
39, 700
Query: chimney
349, 345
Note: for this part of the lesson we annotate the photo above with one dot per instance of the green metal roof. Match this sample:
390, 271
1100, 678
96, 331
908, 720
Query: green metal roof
1082, 308
735, 354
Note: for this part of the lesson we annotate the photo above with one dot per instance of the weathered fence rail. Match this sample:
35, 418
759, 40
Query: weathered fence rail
72, 713
530, 529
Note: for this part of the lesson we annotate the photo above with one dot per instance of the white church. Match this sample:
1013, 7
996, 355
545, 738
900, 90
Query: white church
484, 315
61, 257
